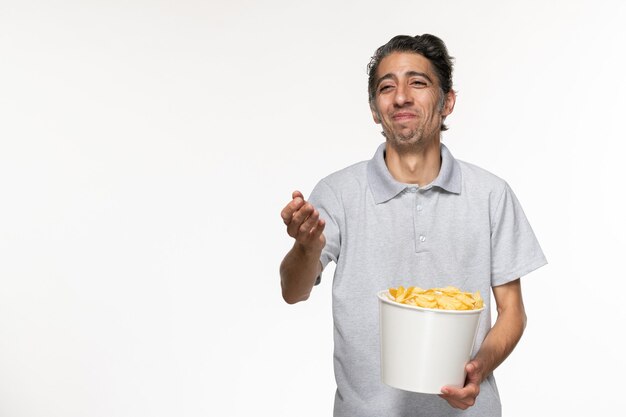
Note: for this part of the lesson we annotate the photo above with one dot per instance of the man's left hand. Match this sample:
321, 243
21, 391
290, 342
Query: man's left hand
465, 397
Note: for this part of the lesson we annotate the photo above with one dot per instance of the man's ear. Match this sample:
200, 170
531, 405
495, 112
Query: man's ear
374, 113
448, 104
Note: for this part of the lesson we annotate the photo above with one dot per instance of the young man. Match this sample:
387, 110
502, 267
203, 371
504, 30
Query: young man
412, 215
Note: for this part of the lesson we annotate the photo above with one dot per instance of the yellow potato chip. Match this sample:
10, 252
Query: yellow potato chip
447, 298
400, 294
449, 290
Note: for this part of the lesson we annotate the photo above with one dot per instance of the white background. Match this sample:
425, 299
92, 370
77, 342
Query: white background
147, 148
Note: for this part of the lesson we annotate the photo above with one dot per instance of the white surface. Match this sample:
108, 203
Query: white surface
147, 148
423, 350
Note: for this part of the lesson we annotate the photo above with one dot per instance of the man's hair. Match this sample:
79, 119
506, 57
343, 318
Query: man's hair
429, 46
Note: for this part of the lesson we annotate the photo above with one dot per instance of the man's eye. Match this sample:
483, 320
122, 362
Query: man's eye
418, 83
385, 88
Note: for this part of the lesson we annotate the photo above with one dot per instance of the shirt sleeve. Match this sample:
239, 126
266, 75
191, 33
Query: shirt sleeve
515, 250
324, 199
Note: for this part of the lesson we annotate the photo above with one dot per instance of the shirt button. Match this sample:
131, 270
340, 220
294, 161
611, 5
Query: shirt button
422, 238
419, 207
412, 189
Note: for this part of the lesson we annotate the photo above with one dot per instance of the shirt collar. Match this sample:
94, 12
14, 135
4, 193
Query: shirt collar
384, 187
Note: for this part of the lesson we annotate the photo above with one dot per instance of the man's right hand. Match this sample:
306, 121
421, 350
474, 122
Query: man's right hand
301, 266
303, 223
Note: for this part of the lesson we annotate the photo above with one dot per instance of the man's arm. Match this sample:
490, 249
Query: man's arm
301, 266
499, 343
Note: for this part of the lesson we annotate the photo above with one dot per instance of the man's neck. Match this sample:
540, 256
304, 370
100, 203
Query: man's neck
416, 166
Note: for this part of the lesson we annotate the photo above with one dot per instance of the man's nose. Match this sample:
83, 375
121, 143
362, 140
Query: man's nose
402, 96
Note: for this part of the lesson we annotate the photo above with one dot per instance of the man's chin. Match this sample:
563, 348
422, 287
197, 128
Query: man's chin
411, 144
406, 141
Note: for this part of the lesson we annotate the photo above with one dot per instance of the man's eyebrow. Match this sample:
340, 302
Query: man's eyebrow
387, 76
408, 74
418, 74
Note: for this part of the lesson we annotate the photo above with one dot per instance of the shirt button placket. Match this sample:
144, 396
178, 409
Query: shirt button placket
420, 237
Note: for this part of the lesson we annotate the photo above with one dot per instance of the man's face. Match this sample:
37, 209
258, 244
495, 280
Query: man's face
408, 102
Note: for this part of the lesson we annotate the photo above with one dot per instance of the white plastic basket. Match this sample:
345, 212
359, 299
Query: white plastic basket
423, 349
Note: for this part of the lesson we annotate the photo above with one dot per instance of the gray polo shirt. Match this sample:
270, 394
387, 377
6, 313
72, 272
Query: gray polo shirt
465, 229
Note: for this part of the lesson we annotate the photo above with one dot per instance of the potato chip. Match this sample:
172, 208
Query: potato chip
448, 298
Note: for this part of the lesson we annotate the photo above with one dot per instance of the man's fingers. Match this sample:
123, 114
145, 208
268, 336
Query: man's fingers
315, 235
318, 229
299, 217
297, 200
473, 372
302, 213
310, 231
451, 392
462, 398
453, 400
302, 220
289, 210
309, 223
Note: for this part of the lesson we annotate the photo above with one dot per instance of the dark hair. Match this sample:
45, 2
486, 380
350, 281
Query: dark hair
429, 46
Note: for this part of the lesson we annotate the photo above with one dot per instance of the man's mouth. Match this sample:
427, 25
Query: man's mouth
402, 116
